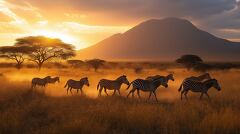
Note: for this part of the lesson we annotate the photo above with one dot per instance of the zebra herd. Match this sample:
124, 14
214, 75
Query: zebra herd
200, 84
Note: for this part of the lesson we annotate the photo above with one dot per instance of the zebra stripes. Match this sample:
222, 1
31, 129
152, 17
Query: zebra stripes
199, 78
150, 84
40, 82
196, 86
112, 84
73, 84
54, 80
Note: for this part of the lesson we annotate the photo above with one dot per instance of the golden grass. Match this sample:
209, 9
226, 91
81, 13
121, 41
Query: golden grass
50, 110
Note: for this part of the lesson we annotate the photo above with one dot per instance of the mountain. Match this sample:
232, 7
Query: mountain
164, 40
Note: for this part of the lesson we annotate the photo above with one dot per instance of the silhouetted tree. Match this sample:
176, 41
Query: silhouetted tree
17, 53
95, 63
189, 61
45, 49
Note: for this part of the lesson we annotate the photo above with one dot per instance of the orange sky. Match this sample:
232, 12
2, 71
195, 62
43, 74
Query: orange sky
84, 23
19, 19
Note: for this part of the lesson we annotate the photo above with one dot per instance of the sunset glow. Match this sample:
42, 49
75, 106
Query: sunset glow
84, 23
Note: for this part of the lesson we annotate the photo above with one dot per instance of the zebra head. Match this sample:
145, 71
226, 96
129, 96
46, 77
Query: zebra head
57, 79
212, 83
216, 85
123, 79
85, 81
164, 83
170, 77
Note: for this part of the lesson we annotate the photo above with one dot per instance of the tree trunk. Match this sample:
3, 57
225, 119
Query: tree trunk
40, 65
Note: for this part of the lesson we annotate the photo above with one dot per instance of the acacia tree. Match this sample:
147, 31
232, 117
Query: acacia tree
189, 61
45, 49
17, 53
95, 63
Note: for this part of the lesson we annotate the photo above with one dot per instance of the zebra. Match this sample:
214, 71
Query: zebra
72, 84
112, 84
199, 78
150, 84
54, 80
40, 82
196, 86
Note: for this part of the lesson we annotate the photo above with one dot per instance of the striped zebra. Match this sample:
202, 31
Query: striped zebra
73, 84
112, 84
199, 78
150, 84
54, 80
40, 82
196, 86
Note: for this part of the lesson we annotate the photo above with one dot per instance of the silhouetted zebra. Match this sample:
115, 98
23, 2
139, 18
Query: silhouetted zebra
150, 84
54, 80
196, 86
40, 81
72, 84
112, 84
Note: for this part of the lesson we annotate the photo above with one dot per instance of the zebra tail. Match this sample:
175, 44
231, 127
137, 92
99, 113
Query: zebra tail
98, 85
66, 85
180, 88
129, 86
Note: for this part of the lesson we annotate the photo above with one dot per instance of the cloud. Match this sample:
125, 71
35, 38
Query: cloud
85, 17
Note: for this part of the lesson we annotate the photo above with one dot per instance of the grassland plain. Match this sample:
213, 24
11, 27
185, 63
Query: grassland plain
50, 110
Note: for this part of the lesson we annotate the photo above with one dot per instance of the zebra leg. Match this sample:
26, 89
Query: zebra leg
114, 92
201, 95
105, 90
207, 95
155, 95
129, 93
182, 93
150, 95
71, 90
119, 92
185, 94
138, 92
81, 92
100, 91
67, 89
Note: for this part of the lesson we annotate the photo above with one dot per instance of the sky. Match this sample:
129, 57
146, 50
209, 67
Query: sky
86, 22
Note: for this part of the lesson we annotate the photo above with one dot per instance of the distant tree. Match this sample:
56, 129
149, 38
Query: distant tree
45, 49
16, 53
95, 63
189, 61
75, 63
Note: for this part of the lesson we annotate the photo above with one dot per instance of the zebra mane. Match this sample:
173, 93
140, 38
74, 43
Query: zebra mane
84, 78
120, 77
209, 82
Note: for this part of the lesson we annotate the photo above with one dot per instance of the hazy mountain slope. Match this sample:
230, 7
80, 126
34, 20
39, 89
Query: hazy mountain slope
164, 39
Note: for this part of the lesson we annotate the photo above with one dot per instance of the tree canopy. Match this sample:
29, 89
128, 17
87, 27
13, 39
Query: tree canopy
95, 63
17, 53
189, 61
44, 48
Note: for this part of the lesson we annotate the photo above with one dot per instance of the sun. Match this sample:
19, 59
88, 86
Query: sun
65, 37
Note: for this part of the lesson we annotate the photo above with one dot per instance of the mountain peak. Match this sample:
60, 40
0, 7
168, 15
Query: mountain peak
163, 39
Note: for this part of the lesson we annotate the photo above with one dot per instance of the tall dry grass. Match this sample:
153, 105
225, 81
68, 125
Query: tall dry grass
50, 110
